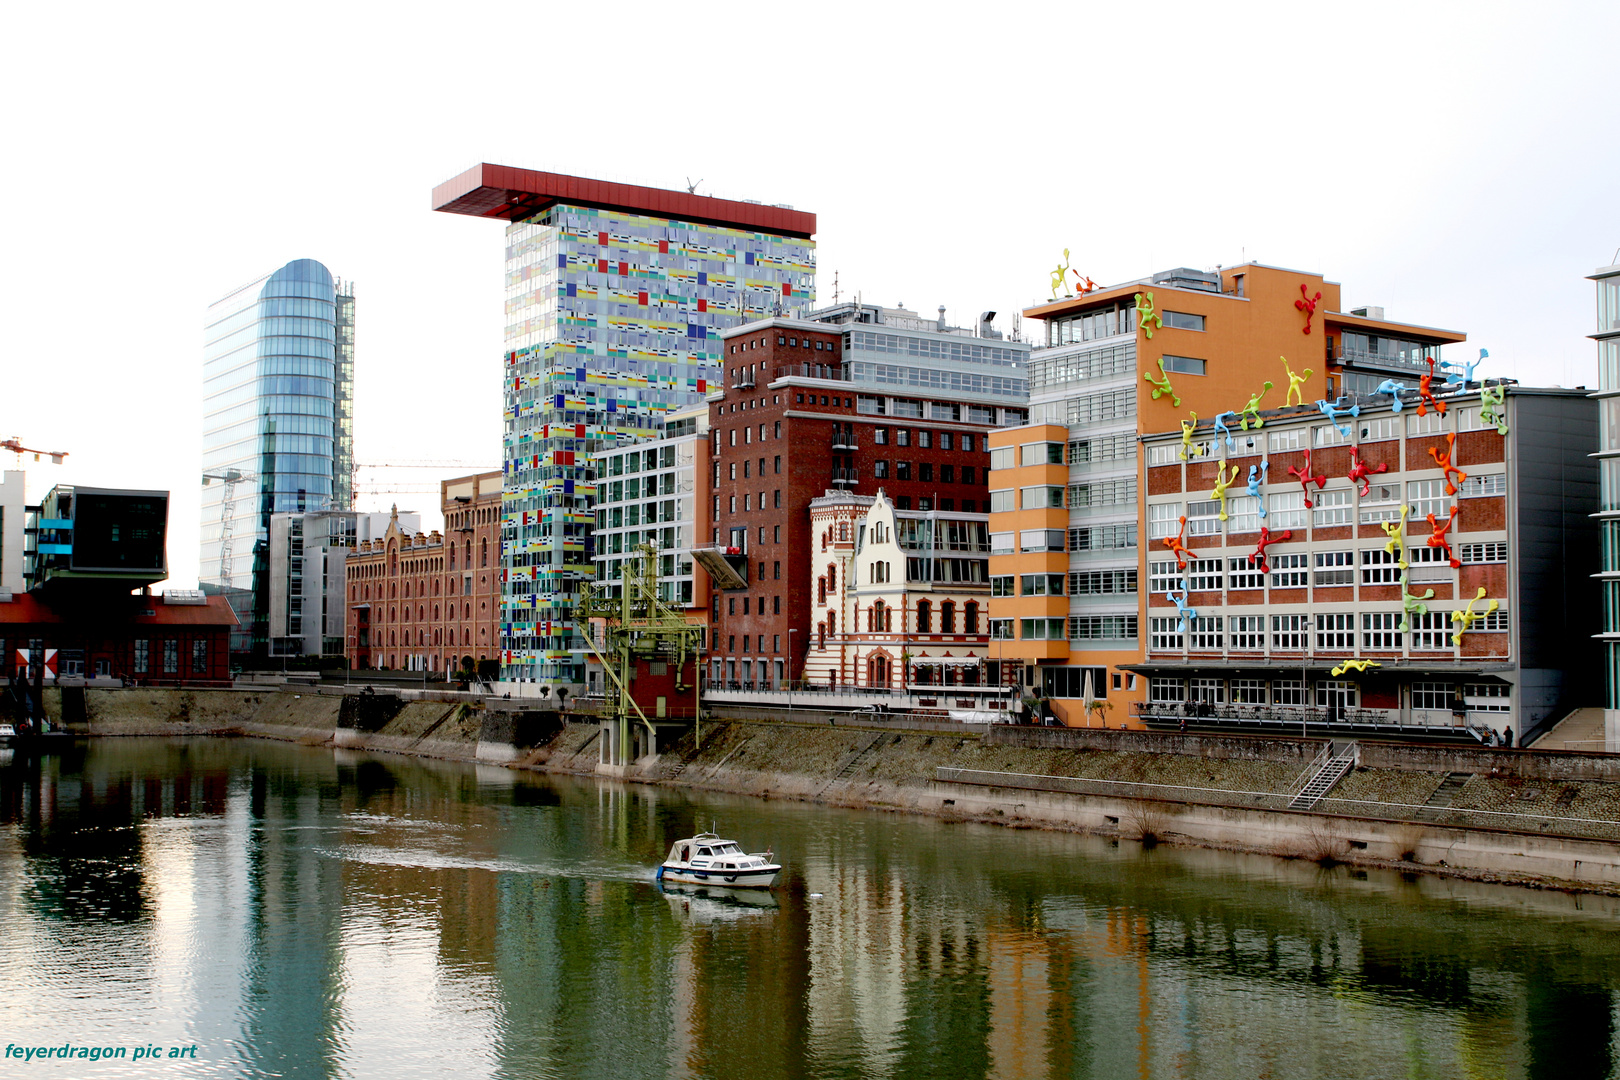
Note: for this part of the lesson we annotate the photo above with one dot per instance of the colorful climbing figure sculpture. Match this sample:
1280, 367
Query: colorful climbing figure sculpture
1359, 471
1161, 385
1305, 478
1437, 538
1358, 665
1426, 398
1187, 614
1178, 546
1222, 482
1146, 317
1412, 605
1394, 390
1258, 556
1257, 476
1060, 276
1468, 618
1252, 409
1444, 461
1188, 450
1333, 412
1396, 544
1493, 407
1221, 429
1307, 304
1295, 395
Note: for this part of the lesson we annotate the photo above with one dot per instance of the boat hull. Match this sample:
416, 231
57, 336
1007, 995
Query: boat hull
762, 877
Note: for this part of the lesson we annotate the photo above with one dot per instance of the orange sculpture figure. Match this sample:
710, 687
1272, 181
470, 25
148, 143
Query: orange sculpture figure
1305, 478
1359, 471
1082, 284
1444, 461
1307, 304
1426, 397
1258, 558
1177, 547
1437, 539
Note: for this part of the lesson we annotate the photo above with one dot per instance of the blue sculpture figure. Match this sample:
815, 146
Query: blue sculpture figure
1453, 379
1257, 476
1393, 389
1187, 613
1333, 412
1469, 377
1221, 428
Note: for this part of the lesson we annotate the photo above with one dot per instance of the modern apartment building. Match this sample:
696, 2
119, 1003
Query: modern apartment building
429, 602
278, 427
1122, 361
13, 505
307, 557
1402, 569
1608, 454
854, 398
615, 299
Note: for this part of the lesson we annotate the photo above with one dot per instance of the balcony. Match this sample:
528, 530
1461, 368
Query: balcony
846, 477
743, 380
845, 440
1300, 719
824, 372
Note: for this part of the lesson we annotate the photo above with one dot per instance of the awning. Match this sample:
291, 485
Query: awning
946, 661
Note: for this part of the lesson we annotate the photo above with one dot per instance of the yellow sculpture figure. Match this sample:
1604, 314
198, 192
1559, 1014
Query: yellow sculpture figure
1187, 429
1397, 537
1060, 276
1222, 482
1470, 617
1146, 317
1359, 665
1295, 395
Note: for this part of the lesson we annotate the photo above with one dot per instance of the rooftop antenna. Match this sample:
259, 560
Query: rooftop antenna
835, 287
691, 188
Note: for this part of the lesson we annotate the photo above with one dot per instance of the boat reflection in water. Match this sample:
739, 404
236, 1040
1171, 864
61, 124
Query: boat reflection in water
703, 904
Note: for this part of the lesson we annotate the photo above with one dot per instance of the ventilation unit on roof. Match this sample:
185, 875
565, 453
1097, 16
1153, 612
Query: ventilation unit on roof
1188, 278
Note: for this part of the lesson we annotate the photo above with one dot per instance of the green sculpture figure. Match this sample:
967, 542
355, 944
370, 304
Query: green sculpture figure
1188, 450
1252, 409
1162, 385
1492, 407
1146, 317
1412, 605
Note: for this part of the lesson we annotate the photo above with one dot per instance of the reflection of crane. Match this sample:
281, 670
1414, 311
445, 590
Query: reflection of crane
230, 477
14, 444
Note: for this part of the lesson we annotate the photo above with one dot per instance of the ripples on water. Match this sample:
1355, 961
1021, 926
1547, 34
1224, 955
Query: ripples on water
303, 913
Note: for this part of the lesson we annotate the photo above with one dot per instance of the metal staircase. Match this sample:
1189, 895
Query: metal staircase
1336, 760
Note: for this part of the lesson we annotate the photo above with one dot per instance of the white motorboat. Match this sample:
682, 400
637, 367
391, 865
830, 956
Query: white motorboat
707, 859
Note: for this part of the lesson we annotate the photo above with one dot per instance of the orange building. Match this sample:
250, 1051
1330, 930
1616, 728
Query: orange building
1184, 347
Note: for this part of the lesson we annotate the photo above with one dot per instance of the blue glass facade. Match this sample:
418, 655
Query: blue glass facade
277, 425
613, 322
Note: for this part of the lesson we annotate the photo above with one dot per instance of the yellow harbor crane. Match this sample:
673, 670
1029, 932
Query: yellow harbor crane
637, 625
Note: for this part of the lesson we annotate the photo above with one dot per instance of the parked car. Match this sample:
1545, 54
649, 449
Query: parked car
875, 709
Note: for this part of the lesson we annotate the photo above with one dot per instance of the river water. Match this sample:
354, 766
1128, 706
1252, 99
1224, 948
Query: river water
304, 912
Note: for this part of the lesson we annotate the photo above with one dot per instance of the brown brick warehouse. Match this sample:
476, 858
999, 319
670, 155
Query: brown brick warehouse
790, 425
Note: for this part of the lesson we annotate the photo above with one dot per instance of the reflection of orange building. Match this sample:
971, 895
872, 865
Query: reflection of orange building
1068, 569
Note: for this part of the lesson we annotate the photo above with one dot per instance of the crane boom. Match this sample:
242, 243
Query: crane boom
14, 444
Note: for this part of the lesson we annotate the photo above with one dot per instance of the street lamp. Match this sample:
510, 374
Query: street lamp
791, 631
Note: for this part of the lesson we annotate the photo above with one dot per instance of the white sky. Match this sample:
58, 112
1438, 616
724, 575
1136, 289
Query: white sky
1454, 163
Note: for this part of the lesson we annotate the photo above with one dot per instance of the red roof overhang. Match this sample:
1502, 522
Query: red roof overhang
500, 191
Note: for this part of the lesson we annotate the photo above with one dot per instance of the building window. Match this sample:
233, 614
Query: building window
1102, 628
1488, 697
1288, 633
1378, 567
143, 655
1001, 629
1206, 691
1164, 634
1204, 575
1041, 453
1205, 633
1102, 582
1333, 507
1476, 486
925, 617
1335, 568
1041, 585
1493, 552
1380, 428
171, 656
947, 617
1182, 320
1335, 630
1432, 423
1329, 435
1002, 585
970, 617
1431, 696
1041, 497
1245, 515
199, 657
1248, 632
1428, 497
1183, 365
1003, 457
1378, 630
1286, 510
1167, 690
1042, 629
1163, 576
1243, 574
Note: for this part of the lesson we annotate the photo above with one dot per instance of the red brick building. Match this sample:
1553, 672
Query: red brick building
882, 400
426, 602
178, 638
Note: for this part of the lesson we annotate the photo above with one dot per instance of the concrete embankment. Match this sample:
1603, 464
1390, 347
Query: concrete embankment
1526, 816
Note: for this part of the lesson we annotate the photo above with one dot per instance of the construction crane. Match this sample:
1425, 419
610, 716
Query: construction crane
14, 444
637, 625
230, 478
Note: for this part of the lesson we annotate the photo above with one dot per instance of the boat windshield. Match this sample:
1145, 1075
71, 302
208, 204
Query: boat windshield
704, 851
730, 849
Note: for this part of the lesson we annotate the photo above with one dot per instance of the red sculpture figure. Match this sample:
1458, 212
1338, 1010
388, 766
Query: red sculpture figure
1444, 461
1305, 478
1359, 471
1307, 304
1266, 539
1175, 544
1426, 396
1437, 539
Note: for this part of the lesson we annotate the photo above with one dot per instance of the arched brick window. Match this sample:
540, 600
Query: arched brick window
970, 617
947, 617
924, 617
